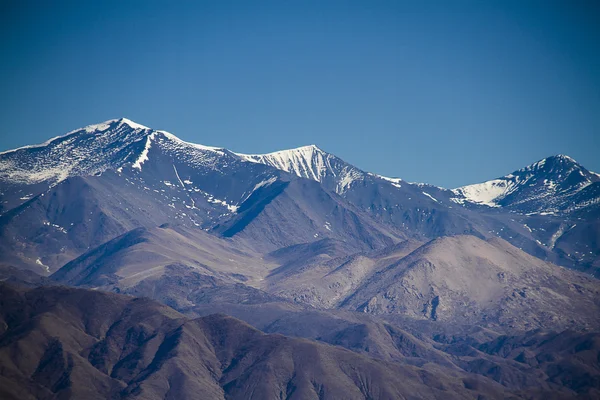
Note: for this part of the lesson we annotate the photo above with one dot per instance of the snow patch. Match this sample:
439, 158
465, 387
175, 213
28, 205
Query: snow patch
394, 181
264, 183
430, 196
307, 161
230, 207
174, 138
40, 263
349, 176
144, 154
486, 193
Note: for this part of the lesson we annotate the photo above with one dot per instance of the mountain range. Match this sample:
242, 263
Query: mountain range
492, 284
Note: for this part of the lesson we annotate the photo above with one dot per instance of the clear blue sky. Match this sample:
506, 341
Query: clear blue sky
448, 92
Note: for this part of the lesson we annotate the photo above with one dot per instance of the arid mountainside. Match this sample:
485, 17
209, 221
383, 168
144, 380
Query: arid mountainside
72, 343
459, 279
468, 280
383, 288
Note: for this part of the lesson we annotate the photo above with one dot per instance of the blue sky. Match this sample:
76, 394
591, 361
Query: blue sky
448, 92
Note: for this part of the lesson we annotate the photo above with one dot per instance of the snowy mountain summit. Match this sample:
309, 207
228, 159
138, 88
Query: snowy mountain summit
92, 150
133, 175
84, 151
551, 185
312, 163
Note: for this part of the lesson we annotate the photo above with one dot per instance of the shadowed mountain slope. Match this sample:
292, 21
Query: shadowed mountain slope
82, 344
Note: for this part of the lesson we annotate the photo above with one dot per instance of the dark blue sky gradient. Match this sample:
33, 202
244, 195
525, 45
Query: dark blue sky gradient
448, 92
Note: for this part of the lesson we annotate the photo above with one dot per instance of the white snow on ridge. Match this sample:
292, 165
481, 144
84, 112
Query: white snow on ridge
310, 162
174, 138
307, 161
99, 127
486, 193
96, 148
84, 151
349, 176
430, 196
132, 124
144, 154
541, 183
266, 182
40, 145
394, 181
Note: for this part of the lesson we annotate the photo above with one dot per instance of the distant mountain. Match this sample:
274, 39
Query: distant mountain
312, 163
416, 209
77, 191
101, 181
549, 209
86, 151
124, 147
553, 185
442, 284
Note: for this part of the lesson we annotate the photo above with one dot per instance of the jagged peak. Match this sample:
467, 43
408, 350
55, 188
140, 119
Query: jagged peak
131, 123
564, 157
106, 125
306, 161
552, 160
103, 126
88, 150
311, 148
540, 180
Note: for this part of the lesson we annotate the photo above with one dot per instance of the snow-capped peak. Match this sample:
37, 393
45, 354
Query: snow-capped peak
132, 124
95, 148
104, 126
84, 151
284, 154
550, 181
312, 163
557, 162
307, 161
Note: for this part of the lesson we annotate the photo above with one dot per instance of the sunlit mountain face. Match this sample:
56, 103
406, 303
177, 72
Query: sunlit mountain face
492, 285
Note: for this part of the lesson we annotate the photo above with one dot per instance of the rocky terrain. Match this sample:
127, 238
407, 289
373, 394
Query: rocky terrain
71, 343
391, 289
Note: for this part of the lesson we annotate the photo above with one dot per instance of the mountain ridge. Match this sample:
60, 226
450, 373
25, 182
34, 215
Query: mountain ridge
557, 176
544, 214
308, 161
296, 242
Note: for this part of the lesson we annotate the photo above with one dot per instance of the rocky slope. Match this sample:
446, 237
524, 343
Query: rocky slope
140, 177
71, 343
468, 280
126, 176
441, 284
555, 184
